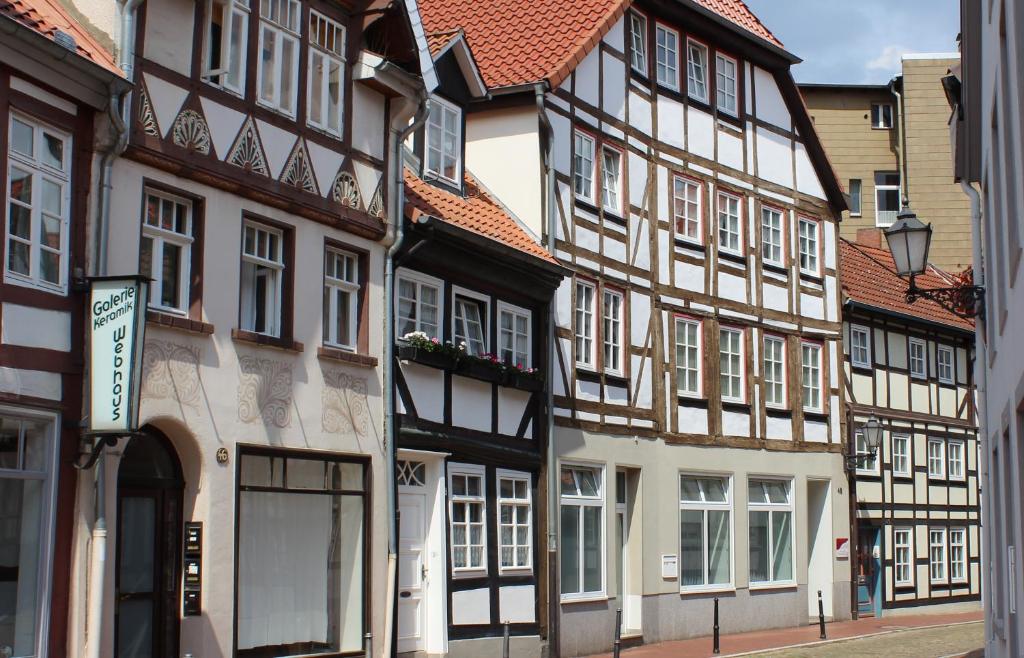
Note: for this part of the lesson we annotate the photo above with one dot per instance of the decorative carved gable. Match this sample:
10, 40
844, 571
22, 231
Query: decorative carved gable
297, 170
191, 132
147, 119
346, 191
376, 207
247, 150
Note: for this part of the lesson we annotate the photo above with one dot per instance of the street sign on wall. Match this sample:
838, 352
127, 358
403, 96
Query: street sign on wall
117, 324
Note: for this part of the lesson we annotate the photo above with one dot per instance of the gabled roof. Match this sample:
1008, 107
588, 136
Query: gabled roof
868, 277
47, 17
454, 41
477, 212
738, 12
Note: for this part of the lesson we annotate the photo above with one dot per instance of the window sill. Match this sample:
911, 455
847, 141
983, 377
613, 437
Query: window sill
762, 587
810, 277
615, 379
687, 400
587, 374
735, 405
596, 598
815, 414
261, 340
614, 216
904, 586
469, 574
903, 476
691, 244
586, 204
178, 322
691, 591
732, 256
860, 367
778, 412
344, 356
512, 572
868, 474
775, 267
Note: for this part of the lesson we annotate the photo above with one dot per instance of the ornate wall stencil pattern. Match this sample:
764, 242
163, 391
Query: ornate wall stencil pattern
298, 172
247, 151
190, 131
171, 372
147, 119
345, 409
346, 191
264, 391
377, 202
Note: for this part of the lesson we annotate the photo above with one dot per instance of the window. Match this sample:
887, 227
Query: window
936, 458
583, 166
326, 86
901, 454
770, 512
468, 513
771, 236
514, 344
688, 357
341, 298
867, 461
444, 141
957, 555
515, 536
262, 279
582, 523
38, 205
903, 554
611, 179
730, 232
860, 346
955, 459
278, 72
418, 304
227, 31
855, 197
686, 208
731, 364
937, 554
638, 41
697, 71
705, 532
612, 331
725, 87
27, 444
887, 197
918, 364
166, 249
585, 324
470, 323
944, 364
811, 370
774, 371
809, 247
301, 543
881, 115
667, 57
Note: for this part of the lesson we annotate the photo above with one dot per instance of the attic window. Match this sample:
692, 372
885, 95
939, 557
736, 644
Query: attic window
443, 149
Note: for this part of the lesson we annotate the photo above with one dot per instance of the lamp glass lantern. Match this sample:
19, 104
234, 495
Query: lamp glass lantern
909, 239
872, 431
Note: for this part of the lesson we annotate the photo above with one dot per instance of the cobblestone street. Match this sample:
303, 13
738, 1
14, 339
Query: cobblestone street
942, 642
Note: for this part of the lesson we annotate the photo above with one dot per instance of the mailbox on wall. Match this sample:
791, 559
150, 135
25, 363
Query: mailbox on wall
192, 569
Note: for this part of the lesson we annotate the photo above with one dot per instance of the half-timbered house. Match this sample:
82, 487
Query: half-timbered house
665, 155
918, 516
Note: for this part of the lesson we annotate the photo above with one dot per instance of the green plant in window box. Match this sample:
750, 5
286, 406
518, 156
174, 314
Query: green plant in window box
419, 347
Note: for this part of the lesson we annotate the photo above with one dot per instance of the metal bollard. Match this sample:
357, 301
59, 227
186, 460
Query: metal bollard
504, 642
368, 645
716, 648
821, 616
618, 632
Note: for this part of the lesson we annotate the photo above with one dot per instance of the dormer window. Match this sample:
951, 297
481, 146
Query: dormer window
278, 72
444, 141
326, 73
725, 68
227, 26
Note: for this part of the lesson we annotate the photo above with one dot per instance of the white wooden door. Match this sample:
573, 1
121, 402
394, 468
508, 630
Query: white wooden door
412, 584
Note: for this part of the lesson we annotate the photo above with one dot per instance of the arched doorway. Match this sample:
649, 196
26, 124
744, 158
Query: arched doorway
147, 585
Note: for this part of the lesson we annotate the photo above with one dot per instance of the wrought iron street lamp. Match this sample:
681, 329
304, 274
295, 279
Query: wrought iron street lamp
872, 433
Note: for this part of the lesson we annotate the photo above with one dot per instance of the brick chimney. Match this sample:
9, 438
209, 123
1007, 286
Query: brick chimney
871, 237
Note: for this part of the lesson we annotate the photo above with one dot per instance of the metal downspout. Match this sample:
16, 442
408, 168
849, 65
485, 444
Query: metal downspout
901, 149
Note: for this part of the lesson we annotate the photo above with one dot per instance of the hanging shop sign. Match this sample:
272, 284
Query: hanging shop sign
117, 324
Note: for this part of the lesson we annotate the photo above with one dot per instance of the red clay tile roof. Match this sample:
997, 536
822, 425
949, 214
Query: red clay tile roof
47, 16
522, 41
436, 41
868, 276
476, 212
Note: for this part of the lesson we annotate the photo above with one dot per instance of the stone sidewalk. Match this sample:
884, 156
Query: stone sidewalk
741, 644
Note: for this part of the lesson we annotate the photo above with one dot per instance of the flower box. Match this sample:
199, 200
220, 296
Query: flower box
481, 369
525, 382
423, 356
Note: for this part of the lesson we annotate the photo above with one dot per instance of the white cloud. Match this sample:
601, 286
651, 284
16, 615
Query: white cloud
888, 60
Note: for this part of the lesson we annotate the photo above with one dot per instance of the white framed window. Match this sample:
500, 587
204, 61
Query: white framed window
666, 57
38, 205
730, 225
937, 555
936, 458
730, 348
903, 556
585, 354
697, 70
856, 189
772, 250
581, 522
686, 208
810, 363
165, 251
955, 459
611, 179
881, 115
860, 346
325, 88
887, 197
774, 371
227, 39
770, 527
689, 355
957, 555
583, 166
341, 298
867, 461
443, 144
918, 351
470, 321
277, 71
809, 247
418, 298
725, 84
467, 513
612, 330
515, 521
638, 42
262, 278
901, 455
514, 335
944, 364
705, 532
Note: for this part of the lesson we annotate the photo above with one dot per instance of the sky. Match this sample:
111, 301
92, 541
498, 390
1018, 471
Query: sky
858, 41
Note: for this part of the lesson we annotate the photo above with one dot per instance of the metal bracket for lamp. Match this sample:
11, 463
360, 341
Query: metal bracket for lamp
966, 302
